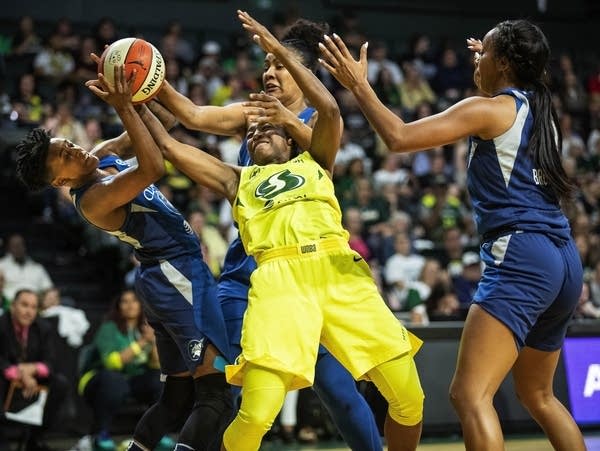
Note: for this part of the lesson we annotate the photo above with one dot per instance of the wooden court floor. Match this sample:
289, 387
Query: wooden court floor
512, 444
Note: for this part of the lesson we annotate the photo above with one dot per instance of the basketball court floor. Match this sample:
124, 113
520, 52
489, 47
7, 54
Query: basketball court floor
528, 443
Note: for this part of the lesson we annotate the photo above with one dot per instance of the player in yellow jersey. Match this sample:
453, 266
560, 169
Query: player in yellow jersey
309, 286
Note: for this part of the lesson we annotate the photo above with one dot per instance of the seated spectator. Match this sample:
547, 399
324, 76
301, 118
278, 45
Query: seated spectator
465, 284
401, 269
4, 301
28, 103
53, 62
212, 239
585, 307
121, 363
27, 356
72, 322
20, 271
26, 40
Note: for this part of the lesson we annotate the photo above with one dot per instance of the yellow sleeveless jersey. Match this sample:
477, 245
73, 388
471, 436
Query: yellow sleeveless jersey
286, 204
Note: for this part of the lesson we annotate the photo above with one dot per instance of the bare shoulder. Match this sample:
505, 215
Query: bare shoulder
494, 115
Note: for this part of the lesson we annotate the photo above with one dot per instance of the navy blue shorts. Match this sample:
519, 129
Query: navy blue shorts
532, 284
179, 298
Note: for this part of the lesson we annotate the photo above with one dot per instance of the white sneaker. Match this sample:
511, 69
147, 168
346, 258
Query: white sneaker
84, 444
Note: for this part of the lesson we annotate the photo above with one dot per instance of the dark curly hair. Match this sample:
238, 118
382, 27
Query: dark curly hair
32, 153
527, 51
304, 36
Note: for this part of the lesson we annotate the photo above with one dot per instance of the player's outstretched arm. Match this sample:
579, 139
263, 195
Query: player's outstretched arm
220, 120
326, 133
121, 145
104, 198
472, 116
196, 164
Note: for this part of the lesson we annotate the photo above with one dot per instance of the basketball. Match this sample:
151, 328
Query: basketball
135, 54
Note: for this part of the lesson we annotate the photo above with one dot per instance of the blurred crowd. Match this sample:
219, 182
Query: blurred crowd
408, 215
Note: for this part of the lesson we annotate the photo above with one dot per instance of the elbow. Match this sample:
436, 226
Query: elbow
159, 170
330, 109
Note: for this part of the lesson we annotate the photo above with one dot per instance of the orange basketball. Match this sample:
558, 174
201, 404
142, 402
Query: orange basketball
136, 54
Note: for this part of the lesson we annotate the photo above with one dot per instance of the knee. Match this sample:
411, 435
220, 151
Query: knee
459, 397
534, 400
408, 410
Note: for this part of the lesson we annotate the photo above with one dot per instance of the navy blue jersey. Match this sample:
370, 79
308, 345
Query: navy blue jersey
507, 191
238, 266
153, 226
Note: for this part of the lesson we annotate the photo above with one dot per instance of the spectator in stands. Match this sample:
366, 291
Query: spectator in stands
28, 357
53, 62
212, 239
28, 103
354, 224
26, 40
105, 32
405, 264
585, 307
121, 363
441, 209
374, 209
451, 80
4, 301
64, 124
414, 91
20, 270
390, 172
379, 60
451, 253
173, 44
465, 283
72, 322
443, 304
386, 89
85, 67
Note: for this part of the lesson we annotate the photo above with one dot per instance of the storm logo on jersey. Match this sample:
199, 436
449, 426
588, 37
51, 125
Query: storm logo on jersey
278, 183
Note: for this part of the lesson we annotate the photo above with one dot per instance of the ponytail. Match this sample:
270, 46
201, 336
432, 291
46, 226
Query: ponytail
545, 143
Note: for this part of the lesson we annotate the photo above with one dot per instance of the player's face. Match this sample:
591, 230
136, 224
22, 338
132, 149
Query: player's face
278, 82
68, 163
267, 144
486, 73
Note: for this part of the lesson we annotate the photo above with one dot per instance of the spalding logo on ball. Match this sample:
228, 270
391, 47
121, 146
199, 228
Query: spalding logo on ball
136, 54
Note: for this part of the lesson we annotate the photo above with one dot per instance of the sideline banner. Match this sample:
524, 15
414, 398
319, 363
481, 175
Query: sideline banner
582, 365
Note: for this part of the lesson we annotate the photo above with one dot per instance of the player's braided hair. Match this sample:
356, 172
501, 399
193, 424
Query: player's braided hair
32, 152
526, 49
304, 36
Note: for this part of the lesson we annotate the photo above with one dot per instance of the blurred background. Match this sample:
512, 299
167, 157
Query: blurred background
408, 215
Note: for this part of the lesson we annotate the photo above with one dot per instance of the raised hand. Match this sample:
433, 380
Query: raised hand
338, 60
475, 46
262, 108
259, 32
119, 95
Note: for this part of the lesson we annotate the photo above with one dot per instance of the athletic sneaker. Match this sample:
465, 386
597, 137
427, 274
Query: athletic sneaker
104, 444
166, 444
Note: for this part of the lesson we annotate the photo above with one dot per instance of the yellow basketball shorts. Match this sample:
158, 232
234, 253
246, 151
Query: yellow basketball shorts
297, 300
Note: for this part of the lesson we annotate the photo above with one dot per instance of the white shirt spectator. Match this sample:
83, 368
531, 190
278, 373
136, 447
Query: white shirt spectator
30, 275
403, 268
72, 323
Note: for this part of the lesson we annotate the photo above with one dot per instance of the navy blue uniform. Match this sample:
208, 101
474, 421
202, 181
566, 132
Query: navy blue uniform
176, 288
533, 274
333, 383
